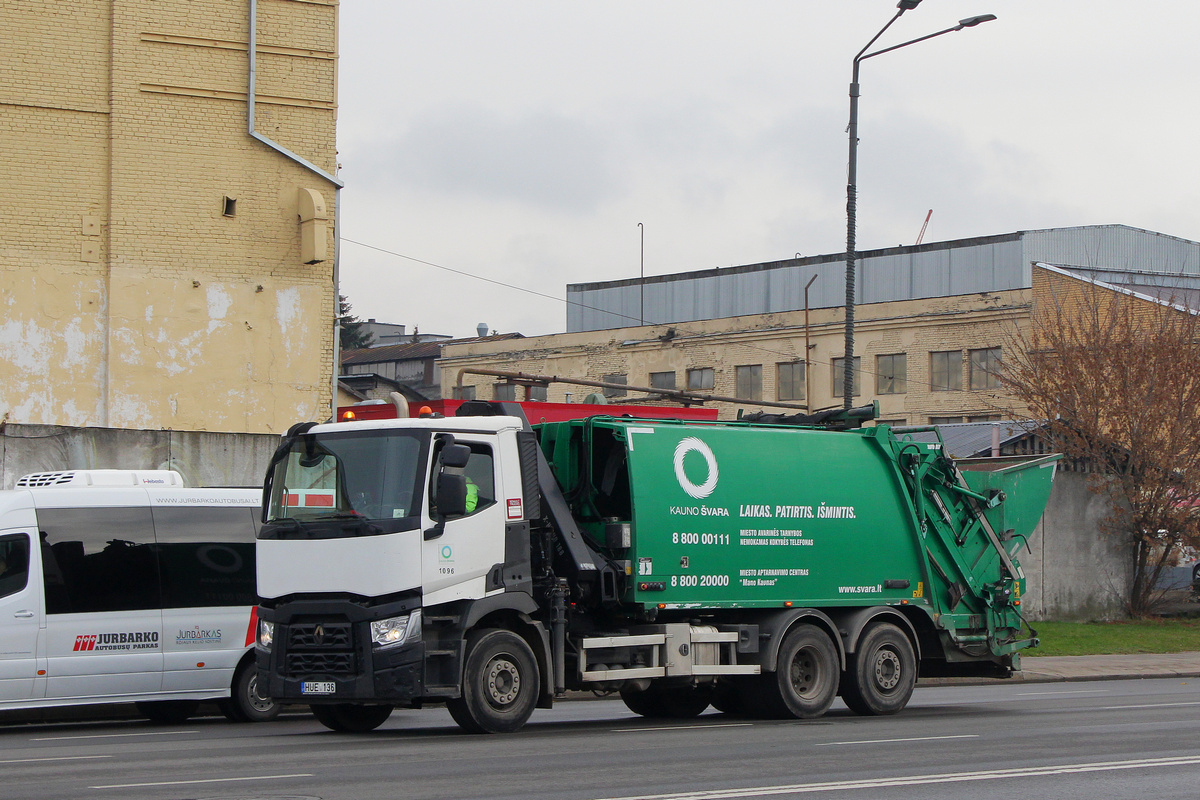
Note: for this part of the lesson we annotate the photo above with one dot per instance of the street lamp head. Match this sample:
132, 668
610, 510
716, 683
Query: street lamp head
971, 22
908, 5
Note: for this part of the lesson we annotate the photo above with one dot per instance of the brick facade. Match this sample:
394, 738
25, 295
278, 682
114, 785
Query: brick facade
914, 328
150, 250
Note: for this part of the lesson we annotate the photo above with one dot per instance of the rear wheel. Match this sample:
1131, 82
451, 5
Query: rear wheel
168, 712
882, 673
245, 704
805, 681
351, 718
500, 685
663, 701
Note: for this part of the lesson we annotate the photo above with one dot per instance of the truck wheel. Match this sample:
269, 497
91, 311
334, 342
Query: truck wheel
805, 681
668, 702
351, 718
244, 703
883, 672
168, 712
500, 683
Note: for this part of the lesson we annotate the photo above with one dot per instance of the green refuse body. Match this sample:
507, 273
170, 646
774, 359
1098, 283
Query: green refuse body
739, 515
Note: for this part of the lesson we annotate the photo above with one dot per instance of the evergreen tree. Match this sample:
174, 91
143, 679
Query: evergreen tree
353, 336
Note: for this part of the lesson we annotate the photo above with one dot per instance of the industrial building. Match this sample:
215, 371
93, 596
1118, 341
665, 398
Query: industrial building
932, 321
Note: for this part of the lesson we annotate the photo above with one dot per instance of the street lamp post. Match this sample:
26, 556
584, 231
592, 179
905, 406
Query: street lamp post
852, 176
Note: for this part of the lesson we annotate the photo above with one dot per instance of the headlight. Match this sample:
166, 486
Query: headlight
396, 630
266, 634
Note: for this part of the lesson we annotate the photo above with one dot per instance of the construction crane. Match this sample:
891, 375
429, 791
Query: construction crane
921, 235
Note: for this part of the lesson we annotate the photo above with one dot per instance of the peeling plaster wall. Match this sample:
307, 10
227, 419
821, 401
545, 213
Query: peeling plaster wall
129, 297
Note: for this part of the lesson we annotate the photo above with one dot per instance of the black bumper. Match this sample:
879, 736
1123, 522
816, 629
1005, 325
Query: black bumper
326, 644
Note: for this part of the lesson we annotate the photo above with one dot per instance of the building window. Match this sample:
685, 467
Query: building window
749, 382
895, 423
536, 394
984, 418
701, 378
505, 391
891, 374
790, 383
839, 376
662, 380
464, 392
615, 378
985, 369
945, 371
945, 420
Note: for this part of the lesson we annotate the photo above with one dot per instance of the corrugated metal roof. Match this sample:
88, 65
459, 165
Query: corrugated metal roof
414, 351
937, 269
967, 439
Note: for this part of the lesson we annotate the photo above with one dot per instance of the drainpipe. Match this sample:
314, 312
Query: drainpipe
311, 167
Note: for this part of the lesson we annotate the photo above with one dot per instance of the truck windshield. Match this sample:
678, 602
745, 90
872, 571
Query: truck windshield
351, 483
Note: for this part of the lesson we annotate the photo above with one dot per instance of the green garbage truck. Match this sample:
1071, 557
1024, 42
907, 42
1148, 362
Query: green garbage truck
762, 567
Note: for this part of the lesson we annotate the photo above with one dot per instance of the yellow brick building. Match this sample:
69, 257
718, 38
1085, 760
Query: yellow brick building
160, 266
901, 345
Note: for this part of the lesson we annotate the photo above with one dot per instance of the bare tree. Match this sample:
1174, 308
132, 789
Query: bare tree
1117, 376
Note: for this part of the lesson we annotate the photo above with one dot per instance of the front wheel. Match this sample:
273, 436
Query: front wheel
245, 704
882, 674
500, 685
805, 681
351, 718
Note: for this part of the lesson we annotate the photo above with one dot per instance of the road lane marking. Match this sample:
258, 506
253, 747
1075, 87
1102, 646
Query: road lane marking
909, 739
918, 780
50, 758
1147, 705
107, 735
687, 727
1076, 691
206, 780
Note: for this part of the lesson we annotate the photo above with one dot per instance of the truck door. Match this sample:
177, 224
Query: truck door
456, 563
20, 615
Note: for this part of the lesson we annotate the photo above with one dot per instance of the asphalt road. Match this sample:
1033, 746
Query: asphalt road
1095, 740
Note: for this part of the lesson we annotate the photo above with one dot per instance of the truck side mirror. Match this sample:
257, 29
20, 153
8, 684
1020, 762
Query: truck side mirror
451, 494
455, 456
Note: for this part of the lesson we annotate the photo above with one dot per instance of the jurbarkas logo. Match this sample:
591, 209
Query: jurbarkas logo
136, 640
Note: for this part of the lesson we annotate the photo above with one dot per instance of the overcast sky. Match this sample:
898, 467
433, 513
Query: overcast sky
524, 140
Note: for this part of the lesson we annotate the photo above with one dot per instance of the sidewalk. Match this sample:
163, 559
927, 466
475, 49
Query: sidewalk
1043, 669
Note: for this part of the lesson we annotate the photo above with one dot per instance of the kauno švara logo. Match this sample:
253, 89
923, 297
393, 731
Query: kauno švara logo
697, 490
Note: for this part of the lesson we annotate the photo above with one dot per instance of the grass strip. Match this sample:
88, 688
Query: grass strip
1127, 636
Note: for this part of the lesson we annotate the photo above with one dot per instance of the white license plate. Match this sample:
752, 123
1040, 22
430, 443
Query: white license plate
317, 687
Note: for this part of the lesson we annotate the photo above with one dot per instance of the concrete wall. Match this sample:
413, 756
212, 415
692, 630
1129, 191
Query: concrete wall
1075, 571
204, 459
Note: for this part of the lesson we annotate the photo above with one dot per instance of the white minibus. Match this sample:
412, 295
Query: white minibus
124, 586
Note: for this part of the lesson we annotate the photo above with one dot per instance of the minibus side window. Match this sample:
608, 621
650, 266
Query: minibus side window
206, 555
98, 559
14, 564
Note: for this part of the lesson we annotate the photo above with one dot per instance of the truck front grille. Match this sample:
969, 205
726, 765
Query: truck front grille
303, 664
320, 636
